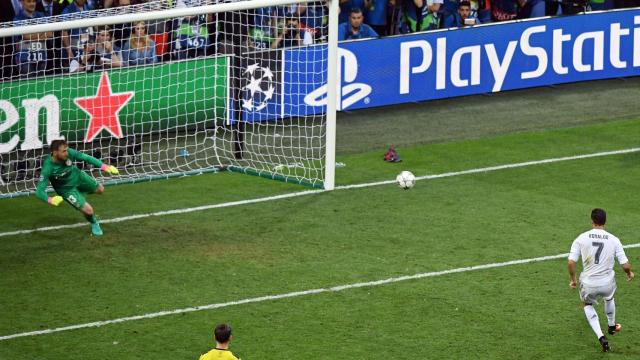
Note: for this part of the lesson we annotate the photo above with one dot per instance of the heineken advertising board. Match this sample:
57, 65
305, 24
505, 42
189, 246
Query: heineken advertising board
112, 103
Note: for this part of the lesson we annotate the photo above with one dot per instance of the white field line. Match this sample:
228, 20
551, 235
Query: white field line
164, 213
498, 167
310, 192
290, 295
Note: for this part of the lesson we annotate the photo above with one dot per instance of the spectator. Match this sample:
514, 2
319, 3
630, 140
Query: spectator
263, 32
481, 11
74, 40
8, 10
431, 18
101, 54
231, 29
31, 49
355, 29
503, 10
559, 7
52, 8
222, 336
376, 15
295, 9
420, 15
530, 8
300, 12
139, 49
191, 33
93, 4
49, 7
599, 5
460, 18
191, 37
290, 34
312, 19
312, 15
347, 5
449, 7
394, 17
121, 32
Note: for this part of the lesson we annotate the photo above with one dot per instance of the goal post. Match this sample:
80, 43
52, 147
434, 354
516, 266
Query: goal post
332, 94
168, 90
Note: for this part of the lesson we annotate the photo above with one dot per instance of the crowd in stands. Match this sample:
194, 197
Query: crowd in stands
95, 48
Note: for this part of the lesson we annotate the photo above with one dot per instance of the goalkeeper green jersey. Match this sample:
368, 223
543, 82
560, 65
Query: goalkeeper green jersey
64, 176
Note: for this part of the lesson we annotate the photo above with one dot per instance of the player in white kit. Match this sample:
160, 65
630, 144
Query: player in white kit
598, 250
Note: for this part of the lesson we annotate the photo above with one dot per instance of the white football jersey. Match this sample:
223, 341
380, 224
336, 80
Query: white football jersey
598, 249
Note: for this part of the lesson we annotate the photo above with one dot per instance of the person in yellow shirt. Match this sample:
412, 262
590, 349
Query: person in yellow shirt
222, 335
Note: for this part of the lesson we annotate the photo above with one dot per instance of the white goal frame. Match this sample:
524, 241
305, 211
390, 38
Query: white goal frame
330, 122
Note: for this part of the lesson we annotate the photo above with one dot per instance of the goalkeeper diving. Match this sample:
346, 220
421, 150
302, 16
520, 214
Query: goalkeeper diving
71, 183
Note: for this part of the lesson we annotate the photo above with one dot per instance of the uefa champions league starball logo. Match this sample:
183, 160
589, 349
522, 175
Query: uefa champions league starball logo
260, 88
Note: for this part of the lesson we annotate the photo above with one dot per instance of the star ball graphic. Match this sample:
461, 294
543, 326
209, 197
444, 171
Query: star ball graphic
260, 87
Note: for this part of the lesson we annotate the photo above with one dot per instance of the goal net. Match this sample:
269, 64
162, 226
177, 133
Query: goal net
171, 88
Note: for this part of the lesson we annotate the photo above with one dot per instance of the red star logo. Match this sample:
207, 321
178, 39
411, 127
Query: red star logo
103, 109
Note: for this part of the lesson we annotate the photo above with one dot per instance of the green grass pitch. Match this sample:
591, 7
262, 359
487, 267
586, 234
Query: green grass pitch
65, 277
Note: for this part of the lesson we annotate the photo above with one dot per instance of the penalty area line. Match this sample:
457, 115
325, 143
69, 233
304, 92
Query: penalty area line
310, 192
291, 295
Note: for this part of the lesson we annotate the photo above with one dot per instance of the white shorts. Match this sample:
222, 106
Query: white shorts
590, 294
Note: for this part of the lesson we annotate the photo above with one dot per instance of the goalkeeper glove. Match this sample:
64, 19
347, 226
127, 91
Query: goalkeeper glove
55, 201
109, 169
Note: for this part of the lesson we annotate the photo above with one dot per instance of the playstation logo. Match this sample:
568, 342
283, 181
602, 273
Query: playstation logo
349, 92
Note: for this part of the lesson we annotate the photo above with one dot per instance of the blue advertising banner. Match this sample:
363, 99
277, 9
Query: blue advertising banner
465, 61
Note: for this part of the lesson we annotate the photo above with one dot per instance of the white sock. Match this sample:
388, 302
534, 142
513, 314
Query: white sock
610, 310
594, 321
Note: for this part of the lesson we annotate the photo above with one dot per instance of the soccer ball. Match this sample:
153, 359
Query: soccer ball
406, 180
